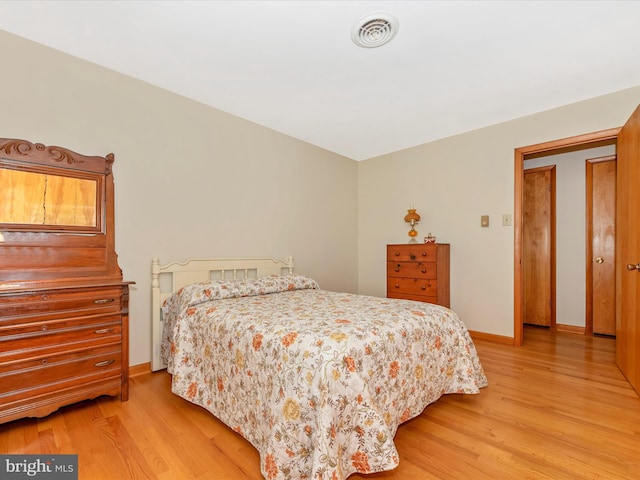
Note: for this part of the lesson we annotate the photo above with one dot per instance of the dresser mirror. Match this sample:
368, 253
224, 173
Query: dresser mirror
48, 199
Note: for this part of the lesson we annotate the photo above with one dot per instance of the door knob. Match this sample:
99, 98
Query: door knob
631, 267
599, 260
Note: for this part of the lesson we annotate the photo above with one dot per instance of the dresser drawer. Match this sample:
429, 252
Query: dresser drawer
49, 304
411, 286
411, 252
37, 376
418, 298
422, 270
41, 339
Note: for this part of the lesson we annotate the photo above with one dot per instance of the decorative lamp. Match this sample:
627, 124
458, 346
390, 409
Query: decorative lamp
412, 218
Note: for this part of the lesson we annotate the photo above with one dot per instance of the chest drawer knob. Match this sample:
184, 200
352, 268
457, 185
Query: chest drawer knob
424, 254
104, 300
413, 257
397, 267
44, 298
104, 363
103, 330
44, 361
44, 328
423, 287
424, 270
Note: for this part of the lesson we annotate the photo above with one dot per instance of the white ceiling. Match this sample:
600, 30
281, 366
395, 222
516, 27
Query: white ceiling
454, 66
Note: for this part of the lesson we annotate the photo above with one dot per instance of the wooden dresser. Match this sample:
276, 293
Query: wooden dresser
419, 271
64, 319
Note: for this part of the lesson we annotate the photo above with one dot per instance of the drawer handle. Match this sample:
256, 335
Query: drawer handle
104, 300
397, 254
424, 254
103, 330
397, 286
423, 287
105, 363
44, 361
413, 257
398, 268
424, 270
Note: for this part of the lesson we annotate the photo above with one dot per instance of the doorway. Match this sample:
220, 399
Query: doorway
563, 240
581, 142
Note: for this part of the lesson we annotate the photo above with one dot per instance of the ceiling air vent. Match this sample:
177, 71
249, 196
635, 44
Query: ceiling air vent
374, 30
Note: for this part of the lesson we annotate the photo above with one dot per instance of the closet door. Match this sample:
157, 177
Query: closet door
601, 228
539, 246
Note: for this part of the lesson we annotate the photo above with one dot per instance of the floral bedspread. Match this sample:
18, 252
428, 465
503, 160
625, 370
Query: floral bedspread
317, 381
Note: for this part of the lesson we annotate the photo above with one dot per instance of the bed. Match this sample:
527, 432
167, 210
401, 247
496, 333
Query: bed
317, 381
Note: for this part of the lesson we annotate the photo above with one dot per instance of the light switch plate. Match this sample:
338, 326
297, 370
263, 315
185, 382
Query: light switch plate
484, 221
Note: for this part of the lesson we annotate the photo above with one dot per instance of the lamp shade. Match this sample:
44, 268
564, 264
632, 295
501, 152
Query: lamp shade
412, 216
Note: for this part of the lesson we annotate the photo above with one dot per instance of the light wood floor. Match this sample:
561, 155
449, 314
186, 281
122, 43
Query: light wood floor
556, 408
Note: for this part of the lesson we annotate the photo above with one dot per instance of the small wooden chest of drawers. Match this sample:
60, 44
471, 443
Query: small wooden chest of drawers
61, 345
419, 272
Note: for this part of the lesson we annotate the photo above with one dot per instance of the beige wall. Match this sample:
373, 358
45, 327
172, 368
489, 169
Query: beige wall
191, 181
452, 182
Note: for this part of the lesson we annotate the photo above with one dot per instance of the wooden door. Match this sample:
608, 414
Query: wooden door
601, 233
628, 251
539, 246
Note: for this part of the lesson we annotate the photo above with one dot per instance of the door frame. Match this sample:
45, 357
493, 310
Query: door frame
589, 140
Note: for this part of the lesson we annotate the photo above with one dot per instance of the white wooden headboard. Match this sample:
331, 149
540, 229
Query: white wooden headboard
169, 278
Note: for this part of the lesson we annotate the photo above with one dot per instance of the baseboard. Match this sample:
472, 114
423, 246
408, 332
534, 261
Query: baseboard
490, 337
140, 369
570, 328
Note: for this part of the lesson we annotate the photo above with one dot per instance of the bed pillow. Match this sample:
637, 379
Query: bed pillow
200, 292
